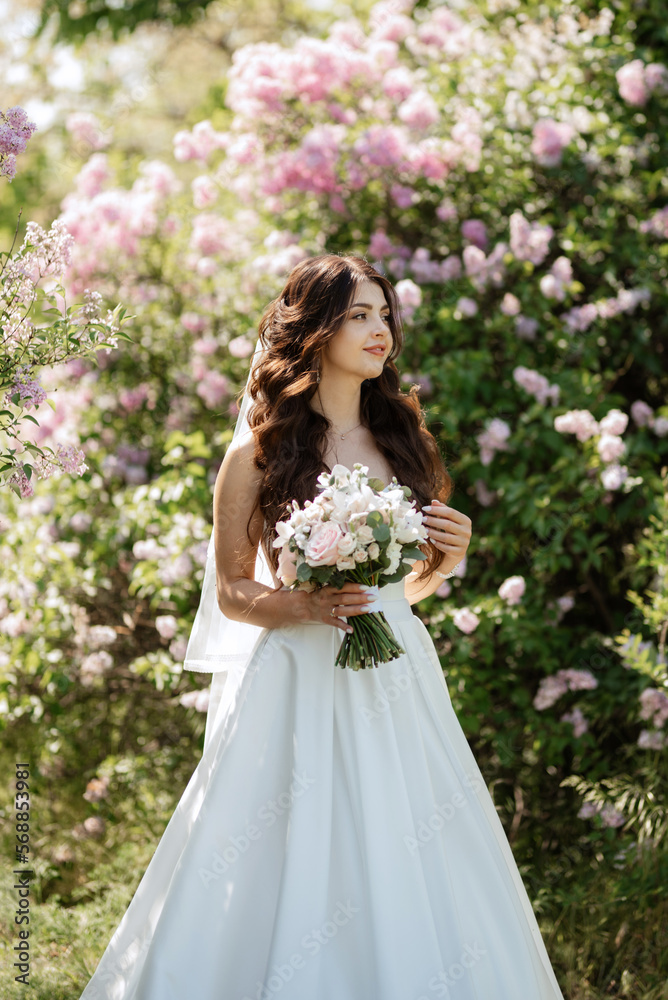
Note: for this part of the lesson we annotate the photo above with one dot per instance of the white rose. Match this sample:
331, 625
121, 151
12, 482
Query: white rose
345, 562
360, 555
374, 550
364, 534
346, 544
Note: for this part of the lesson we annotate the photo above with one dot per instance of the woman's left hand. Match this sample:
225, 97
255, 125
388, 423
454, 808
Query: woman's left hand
449, 530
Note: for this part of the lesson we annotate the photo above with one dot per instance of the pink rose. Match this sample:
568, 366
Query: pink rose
287, 566
322, 548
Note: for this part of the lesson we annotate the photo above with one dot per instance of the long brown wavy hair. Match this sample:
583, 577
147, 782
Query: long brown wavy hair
290, 436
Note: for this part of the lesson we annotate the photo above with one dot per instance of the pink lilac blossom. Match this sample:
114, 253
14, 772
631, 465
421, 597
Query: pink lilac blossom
80, 521
614, 422
512, 589
536, 385
610, 447
465, 306
212, 388
529, 240
614, 476
631, 83
380, 245
554, 284
553, 687
446, 211
193, 322
177, 569
493, 439
85, 128
19, 478
661, 426
577, 720
484, 496
402, 196
510, 304
167, 626
177, 649
526, 328
480, 270
654, 706
636, 81
240, 347
200, 143
15, 133
423, 268
410, 297
312, 166
29, 389
398, 83
419, 110
579, 318
210, 234
657, 224
199, 700
642, 413
99, 636
626, 300
652, 739
157, 179
92, 176
578, 422
465, 620
588, 810
381, 147
611, 816
133, 399
205, 346
94, 665
205, 191
550, 138
475, 231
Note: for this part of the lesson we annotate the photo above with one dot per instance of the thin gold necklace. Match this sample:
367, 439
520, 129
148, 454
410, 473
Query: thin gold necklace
351, 430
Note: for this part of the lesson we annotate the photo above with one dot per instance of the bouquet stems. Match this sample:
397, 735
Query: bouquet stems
371, 641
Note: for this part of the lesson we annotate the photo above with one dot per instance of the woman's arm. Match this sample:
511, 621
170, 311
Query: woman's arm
449, 531
239, 595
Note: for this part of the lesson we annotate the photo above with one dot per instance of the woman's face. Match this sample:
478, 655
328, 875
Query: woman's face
366, 326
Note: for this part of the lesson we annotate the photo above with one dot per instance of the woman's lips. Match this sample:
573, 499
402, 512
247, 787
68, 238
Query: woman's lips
378, 351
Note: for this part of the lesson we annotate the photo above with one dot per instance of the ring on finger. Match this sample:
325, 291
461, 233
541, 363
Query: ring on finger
332, 612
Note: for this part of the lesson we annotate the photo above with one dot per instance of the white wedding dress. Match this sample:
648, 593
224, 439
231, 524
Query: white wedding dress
336, 842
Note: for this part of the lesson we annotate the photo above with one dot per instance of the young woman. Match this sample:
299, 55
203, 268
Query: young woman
337, 840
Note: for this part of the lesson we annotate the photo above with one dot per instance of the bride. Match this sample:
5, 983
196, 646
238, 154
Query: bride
337, 840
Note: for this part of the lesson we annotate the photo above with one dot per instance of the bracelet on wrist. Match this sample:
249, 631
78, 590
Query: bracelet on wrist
446, 576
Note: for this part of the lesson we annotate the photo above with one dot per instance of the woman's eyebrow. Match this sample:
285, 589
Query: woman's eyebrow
365, 305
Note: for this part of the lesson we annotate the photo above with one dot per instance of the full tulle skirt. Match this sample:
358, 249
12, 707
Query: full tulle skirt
336, 841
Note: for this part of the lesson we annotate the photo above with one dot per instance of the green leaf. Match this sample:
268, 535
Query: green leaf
303, 572
381, 533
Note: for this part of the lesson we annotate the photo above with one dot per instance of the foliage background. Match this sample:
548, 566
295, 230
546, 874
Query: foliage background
102, 573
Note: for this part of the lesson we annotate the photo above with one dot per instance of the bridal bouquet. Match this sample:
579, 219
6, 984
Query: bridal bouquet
355, 529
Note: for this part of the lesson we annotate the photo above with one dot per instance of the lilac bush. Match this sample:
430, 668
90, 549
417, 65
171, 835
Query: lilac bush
506, 172
77, 332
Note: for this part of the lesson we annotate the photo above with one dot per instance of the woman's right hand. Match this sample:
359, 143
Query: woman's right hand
316, 605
